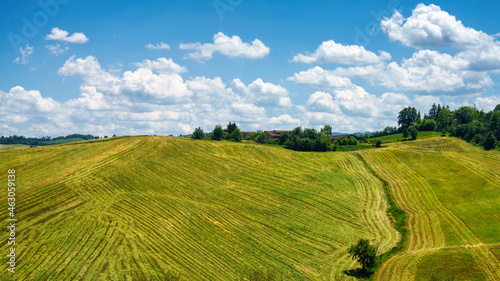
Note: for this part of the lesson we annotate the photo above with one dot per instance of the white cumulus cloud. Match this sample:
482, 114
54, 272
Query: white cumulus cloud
228, 46
429, 26
319, 77
159, 46
161, 65
62, 35
331, 52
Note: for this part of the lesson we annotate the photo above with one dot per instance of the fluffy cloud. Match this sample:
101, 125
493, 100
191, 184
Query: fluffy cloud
19, 100
354, 109
264, 93
318, 77
62, 35
229, 46
56, 49
426, 71
161, 65
429, 26
159, 46
91, 72
331, 52
155, 98
161, 88
25, 53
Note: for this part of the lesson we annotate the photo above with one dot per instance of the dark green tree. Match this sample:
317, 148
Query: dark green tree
226, 135
364, 253
327, 130
378, 143
217, 133
260, 137
407, 117
490, 141
236, 135
405, 133
413, 132
464, 115
230, 128
284, 137
433, 111
443, 119
497, 108
198, 133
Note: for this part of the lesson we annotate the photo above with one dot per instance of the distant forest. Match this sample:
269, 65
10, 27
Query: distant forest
43, 140
468, 123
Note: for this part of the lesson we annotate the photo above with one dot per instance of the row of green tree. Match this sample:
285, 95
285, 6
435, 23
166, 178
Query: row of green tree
231, 132
468, 123
307, 139
43, 140
297, 139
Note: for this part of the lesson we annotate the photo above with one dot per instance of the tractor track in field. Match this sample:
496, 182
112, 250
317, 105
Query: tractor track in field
425, 214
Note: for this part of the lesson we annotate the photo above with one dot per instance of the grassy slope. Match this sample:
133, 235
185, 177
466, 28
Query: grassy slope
449, 190
399, 136
137, 207
61, 141
12, 146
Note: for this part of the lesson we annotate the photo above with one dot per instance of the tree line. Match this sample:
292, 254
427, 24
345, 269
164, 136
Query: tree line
467, 122
297, 139
41, 141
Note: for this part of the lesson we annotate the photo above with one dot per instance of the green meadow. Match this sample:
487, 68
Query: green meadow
138, 208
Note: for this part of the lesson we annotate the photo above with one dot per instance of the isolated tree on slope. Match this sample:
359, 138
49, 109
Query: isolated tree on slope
364, 253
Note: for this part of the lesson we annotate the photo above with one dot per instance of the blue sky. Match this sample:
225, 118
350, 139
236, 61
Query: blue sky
84, 66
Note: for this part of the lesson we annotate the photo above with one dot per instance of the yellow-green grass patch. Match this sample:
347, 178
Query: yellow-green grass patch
137, 207
449, 262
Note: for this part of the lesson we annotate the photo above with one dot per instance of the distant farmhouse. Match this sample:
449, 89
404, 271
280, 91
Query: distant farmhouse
274, 134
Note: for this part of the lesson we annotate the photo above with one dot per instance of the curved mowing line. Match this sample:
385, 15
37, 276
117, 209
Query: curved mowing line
424, 199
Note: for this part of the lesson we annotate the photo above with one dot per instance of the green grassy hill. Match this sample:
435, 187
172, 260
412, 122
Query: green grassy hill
450, 191
135, 208
399, 136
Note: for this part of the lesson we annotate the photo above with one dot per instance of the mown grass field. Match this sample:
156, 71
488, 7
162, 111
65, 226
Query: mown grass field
134, 208
399, 136
12, 146
450, 191
61, 141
